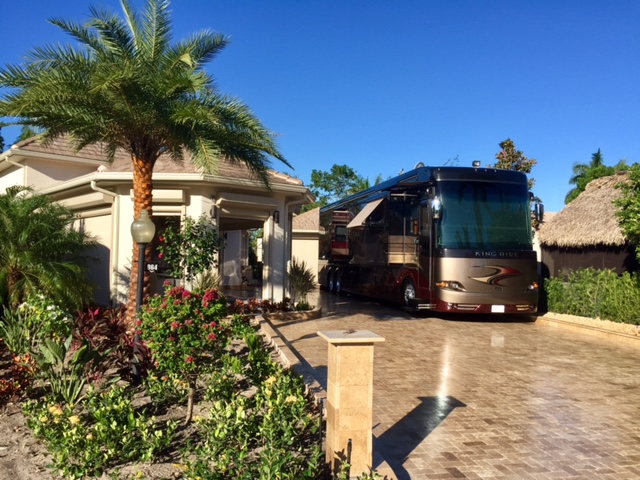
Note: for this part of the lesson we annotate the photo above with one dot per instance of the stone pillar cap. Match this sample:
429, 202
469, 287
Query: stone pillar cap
350, 336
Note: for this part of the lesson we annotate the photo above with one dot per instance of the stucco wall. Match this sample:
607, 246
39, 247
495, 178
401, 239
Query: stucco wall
100, 227
9, 179
305, 248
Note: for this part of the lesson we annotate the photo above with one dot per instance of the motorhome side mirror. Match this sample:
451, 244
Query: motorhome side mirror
436, 208
539, 212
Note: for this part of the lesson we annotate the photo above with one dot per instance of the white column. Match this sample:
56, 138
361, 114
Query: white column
273, 244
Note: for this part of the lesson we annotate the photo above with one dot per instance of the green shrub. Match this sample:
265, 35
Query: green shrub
18, 335
596, 293
302, 281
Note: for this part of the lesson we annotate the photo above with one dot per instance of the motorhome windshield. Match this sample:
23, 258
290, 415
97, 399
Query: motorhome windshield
486, 215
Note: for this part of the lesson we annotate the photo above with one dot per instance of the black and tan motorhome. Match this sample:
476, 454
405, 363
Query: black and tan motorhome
447, 239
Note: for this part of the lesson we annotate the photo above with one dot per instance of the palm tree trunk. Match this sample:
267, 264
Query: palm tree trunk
142, 200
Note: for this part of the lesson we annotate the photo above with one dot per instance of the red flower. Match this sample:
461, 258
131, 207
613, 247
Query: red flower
161, 238
211, 336
175, 325
160, 255
188, 322
189, 359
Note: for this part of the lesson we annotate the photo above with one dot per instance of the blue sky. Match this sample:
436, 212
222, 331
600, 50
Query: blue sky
382, 85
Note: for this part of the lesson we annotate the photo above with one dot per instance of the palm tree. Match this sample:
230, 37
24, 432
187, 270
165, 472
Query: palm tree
128, 87
584, 173
39, 252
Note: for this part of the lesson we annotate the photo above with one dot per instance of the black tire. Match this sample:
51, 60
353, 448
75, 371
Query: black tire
331, 281
408, 292
337, 285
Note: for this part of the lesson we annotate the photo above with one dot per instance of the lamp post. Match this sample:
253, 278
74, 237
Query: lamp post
142, 230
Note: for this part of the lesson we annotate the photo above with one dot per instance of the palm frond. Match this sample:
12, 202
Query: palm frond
127, 86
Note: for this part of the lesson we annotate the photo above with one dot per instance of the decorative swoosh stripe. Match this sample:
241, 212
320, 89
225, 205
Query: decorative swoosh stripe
498, 275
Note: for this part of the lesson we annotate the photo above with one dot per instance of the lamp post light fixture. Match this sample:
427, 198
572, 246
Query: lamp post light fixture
142, 230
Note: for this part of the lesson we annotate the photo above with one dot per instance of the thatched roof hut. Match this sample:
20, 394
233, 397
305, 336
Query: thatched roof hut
588, 220
586, 232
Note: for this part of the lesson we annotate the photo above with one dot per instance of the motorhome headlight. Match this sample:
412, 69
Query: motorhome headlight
533, 287
450, 285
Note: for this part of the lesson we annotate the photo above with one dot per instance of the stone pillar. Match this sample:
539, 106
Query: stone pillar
350, 398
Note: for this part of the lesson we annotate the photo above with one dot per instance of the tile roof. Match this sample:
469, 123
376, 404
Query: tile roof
122, 161
308, 220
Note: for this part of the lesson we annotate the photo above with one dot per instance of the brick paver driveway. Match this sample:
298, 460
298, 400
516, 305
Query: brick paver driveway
481, 397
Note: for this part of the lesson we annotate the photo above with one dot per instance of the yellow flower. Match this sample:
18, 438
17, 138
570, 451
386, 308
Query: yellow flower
291, 399
44, 419
55, 410
267, 392
270, 381
74, 419
89, 436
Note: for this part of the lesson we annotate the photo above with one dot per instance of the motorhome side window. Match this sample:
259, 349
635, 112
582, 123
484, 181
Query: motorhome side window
425, 227
376, 219
396, 216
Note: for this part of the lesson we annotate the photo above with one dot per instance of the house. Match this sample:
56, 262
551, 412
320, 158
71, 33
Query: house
102, 197
586, 233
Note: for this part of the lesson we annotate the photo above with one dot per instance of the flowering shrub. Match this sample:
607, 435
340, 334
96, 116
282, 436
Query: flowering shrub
48, 318
183, 333
107, 430
253, 305
268, 435
182, 329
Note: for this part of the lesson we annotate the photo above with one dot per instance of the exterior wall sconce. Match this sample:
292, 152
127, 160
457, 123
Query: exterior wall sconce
276, 216
213, 211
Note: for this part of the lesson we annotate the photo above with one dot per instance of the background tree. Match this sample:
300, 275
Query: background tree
39, 253
27, 132
629, 207
1, 141
509, 158
584, 173
126, 85
339, 182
